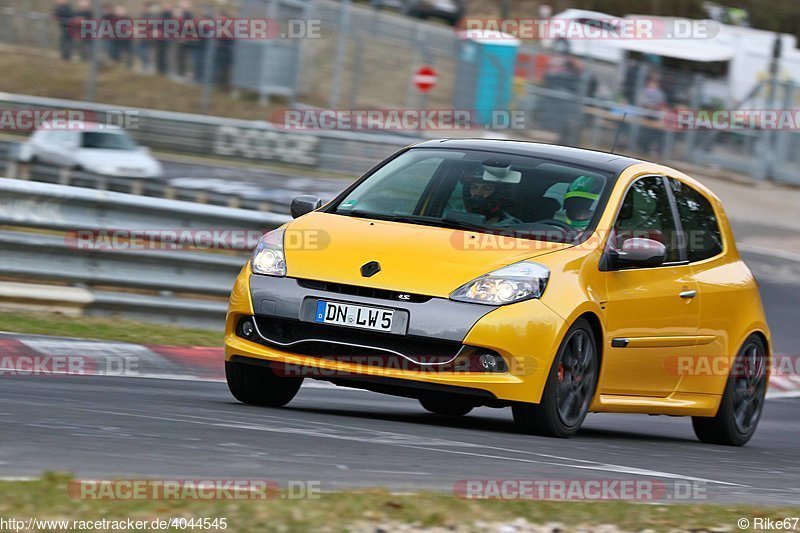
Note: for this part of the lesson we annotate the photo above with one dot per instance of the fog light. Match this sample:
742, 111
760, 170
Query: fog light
247, 328
488, 362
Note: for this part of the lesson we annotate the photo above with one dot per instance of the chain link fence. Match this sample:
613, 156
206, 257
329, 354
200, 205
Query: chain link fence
362, 57
637, 106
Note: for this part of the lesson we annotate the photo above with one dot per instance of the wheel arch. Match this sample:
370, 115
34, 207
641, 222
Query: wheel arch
761, 331
597, 331
764, 338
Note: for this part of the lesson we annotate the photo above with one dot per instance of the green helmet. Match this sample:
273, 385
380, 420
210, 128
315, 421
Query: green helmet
583, 192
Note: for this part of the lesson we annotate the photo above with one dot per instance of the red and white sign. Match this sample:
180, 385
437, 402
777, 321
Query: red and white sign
425, 78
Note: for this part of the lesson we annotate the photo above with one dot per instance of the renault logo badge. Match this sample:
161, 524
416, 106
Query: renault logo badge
370, 269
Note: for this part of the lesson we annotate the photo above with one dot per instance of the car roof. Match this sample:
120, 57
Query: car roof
565, 154
573, 13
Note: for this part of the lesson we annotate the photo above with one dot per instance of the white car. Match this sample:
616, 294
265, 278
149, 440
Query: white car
601, 49
100, 149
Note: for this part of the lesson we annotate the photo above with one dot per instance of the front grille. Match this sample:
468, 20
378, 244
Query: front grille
284, 331
367, 292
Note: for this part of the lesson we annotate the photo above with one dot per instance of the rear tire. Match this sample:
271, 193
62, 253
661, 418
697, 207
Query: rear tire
258, 385
743, 400
569, 389
446, 406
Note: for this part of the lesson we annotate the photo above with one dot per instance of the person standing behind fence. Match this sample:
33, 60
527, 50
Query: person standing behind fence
198, 48
83, 12
163, 45
224, 57
125, 45
562, 111
183, 48
144, 47
653, 98
62, 13
107, 16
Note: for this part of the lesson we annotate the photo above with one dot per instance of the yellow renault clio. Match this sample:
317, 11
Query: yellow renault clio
552, 280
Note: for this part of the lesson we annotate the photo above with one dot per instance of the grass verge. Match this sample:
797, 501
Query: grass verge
373, 510
41, 73
107, 329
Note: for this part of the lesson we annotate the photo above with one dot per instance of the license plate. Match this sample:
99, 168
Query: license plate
357, 316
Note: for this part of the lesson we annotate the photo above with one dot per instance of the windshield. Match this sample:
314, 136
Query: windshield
482, 191
108, 141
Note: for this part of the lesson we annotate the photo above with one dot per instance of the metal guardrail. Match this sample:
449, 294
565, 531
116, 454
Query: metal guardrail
345, 152
153, 187
166, 286
57, 207
55, 258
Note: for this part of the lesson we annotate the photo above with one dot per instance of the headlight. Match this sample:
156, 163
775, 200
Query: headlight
268, 257
513, 283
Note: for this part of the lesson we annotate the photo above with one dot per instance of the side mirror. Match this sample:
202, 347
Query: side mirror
305, 204
639, 253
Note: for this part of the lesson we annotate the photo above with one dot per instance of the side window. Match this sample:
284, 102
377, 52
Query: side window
701, 228
646, 212
64, 138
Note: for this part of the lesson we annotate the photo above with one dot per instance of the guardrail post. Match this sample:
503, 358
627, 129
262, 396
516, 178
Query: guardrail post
12, 169
64, 175
201, 197
137, 187
170, 193
24, 171
234, 201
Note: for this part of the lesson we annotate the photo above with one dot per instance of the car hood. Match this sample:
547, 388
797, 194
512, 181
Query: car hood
413, 258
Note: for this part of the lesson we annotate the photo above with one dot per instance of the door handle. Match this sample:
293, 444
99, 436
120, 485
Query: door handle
688, 294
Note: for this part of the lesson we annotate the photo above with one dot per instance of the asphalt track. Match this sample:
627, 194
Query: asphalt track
127, 427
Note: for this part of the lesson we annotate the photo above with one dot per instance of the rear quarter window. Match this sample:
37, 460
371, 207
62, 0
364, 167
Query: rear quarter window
701, 229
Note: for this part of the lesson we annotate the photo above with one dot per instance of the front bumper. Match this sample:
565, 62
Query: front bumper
525, 334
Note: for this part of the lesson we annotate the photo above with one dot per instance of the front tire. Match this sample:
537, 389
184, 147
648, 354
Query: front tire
445, 406
743, 400
258, 385
569, 389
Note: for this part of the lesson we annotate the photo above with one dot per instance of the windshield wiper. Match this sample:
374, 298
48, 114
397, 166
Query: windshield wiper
444, 222
463, 224
378, 216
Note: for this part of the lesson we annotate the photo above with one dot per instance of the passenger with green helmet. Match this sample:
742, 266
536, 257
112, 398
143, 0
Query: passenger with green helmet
580, 200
